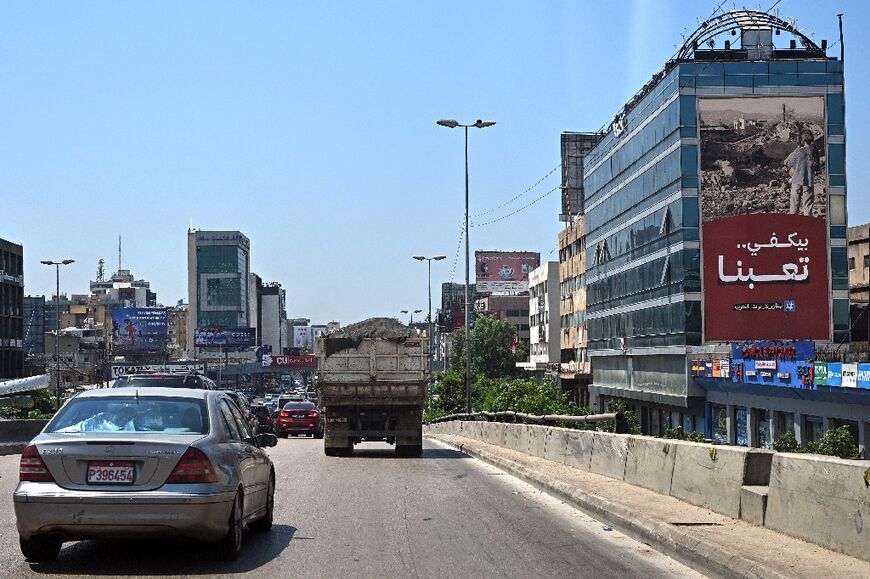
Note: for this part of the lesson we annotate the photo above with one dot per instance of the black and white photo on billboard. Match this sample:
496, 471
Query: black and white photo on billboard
762, 155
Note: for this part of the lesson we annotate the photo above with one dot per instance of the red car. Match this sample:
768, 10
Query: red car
299, 417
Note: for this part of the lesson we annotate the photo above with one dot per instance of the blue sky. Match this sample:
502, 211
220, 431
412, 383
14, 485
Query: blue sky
311, 128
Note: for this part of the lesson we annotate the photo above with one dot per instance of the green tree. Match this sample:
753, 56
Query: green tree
491, 349
448, 394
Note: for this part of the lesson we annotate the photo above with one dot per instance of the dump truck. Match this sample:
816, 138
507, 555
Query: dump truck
372, 379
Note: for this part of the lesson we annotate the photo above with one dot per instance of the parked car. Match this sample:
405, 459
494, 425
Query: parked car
165, 380
265, 417
299, 417
155, 462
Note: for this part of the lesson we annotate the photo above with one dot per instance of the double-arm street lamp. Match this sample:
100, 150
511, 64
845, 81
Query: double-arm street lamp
430, 259
57, 265
478, 124
412, 312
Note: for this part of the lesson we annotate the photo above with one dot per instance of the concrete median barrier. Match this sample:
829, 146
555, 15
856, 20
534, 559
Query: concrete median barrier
650, 463
578, 449
712, 476
821, 499
556, 444
15, 434
609, 453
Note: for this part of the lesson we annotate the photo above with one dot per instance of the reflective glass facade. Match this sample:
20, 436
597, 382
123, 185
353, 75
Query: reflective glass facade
222, 267
643, 275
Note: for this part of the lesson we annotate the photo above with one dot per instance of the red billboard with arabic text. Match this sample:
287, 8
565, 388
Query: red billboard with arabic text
766, 278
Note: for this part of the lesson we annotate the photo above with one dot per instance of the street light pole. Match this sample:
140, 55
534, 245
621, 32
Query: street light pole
429, 259
479, 124
57, 265
412, 312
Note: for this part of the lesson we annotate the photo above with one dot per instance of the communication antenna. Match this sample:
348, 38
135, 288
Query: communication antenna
101, 270
119, 253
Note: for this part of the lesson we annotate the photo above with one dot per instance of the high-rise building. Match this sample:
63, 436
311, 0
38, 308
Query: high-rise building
11, 310
218, 268
725, 174
273, 316
34, 325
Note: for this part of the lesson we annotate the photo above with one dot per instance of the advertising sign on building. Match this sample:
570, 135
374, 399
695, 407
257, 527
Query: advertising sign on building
224, 337
850, 376
287, 361
835, 374
301, 336
121, 369
788, 364
863, 376
139, 330
820, 373
504, 271
764, 212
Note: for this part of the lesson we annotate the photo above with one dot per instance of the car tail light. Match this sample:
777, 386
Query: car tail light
194, 467
313, 414
32, 468
284, 414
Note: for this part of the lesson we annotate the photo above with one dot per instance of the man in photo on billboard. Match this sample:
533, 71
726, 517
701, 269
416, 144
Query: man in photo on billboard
800, 164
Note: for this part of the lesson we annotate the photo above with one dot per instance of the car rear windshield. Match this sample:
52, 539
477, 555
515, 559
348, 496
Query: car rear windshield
299, 406
130, 414
260, 410
161, 381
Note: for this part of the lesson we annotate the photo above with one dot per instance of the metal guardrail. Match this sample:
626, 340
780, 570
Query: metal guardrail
587, 419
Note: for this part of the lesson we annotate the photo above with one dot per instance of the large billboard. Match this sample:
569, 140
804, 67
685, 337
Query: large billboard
224, 337
764, 218
302, 336
504, 271
139, 330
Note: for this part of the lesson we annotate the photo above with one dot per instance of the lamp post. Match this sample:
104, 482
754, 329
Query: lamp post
57, 265
430, 259
478, 124
412, 312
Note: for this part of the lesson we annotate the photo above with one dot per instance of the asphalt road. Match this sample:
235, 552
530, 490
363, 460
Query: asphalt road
374, 515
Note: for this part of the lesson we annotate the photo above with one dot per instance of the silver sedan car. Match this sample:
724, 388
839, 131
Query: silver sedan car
149, 462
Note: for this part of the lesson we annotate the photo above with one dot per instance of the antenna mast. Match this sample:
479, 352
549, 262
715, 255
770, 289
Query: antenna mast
119, 253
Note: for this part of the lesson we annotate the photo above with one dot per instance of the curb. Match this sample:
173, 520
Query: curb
701, 555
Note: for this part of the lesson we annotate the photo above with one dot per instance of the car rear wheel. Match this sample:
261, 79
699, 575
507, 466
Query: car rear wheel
38, 548
231, 545
265, 523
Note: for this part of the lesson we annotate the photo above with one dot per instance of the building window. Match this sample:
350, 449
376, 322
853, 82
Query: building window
852, 263
867, 261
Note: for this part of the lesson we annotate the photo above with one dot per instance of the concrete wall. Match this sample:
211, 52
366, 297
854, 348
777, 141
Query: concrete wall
820, 499
15, 434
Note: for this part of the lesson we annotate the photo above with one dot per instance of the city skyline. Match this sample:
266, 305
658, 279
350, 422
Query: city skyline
312, 131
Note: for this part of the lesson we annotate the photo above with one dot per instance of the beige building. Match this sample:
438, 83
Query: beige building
859, 263
575, 372
513, 309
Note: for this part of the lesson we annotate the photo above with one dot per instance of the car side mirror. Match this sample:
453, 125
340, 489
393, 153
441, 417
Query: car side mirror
267, 440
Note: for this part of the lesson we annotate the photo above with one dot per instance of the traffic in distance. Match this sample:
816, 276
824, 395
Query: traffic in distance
169, 455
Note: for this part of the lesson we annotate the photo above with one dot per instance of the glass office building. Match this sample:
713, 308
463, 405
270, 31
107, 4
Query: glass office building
219, 265
705, 141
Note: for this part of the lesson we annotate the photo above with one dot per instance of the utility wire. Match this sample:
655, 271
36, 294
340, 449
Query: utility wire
523, 208
508, 202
